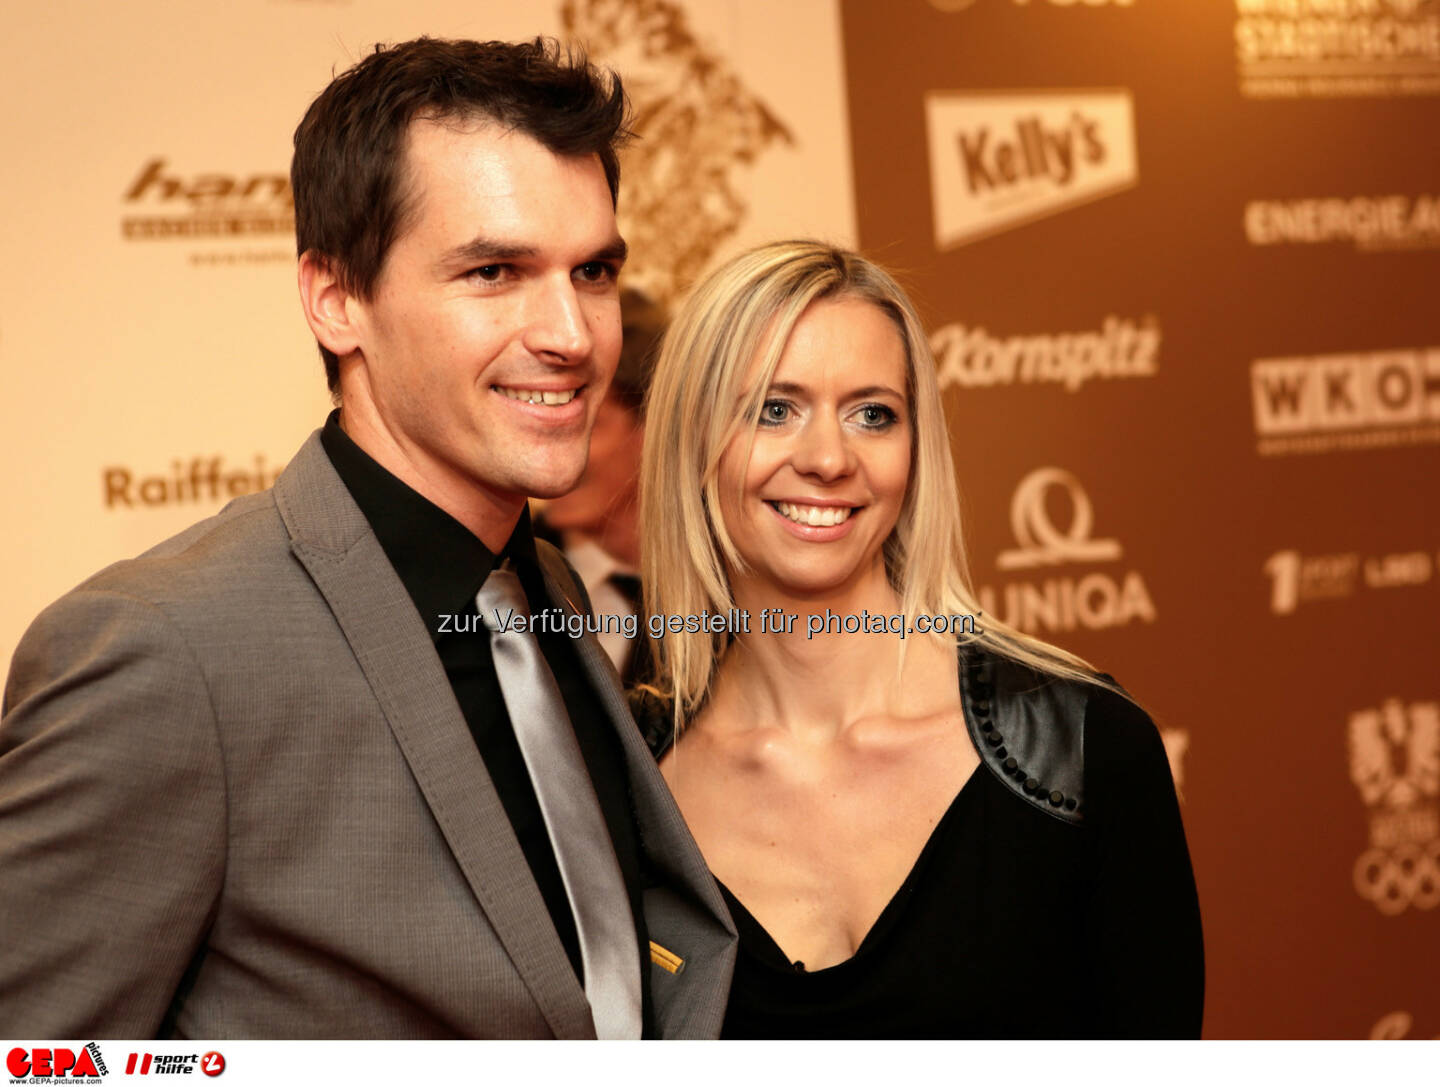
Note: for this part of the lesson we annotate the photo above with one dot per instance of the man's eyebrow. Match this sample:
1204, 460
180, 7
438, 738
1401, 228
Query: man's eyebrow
481, 251
616, 250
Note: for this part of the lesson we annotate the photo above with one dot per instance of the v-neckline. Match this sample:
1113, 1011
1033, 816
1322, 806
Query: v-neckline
882, 923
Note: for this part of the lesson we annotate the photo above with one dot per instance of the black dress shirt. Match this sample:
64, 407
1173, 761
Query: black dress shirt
442, 565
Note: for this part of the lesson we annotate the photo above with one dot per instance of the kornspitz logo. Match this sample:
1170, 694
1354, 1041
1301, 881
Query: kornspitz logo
40, 1063
1001, 159
1395, 764
971, 357
1054, 523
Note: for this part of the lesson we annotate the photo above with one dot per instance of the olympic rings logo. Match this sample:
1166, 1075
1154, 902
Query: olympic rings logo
1408, 875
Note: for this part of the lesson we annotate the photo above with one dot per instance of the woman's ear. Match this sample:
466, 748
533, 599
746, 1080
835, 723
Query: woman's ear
325, 301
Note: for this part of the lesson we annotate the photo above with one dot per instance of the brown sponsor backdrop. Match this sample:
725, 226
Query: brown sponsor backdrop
1281, 684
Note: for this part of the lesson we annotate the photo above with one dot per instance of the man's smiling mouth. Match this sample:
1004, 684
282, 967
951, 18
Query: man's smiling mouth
551, 397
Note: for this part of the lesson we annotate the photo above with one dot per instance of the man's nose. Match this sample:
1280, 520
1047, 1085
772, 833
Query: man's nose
558, 326
821, 450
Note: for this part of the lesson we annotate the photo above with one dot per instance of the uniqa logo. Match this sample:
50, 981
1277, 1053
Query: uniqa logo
1395, 765
1092, 601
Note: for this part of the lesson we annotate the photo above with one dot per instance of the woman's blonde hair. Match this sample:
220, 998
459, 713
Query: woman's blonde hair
703, 394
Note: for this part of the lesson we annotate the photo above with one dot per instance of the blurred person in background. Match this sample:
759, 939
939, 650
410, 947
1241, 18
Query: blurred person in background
597, 524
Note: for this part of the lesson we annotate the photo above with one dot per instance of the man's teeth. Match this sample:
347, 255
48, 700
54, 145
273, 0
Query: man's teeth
537, 396
814, 515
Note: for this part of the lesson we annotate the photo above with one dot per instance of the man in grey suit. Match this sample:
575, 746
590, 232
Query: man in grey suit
281, 776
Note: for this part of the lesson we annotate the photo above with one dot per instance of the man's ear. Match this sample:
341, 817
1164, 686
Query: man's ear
327, 305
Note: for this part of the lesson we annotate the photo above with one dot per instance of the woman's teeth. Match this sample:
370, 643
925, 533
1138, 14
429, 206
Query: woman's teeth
814, 515
537, 396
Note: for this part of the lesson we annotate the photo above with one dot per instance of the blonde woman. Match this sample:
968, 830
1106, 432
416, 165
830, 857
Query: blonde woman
918, 834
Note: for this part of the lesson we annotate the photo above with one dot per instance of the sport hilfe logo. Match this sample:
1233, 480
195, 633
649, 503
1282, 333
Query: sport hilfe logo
183, 1064
1002, 159
55, 1063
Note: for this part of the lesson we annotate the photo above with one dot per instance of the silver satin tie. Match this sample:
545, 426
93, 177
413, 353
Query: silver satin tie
578, 831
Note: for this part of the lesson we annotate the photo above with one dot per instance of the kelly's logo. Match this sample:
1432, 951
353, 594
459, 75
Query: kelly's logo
1000, 160
161, 202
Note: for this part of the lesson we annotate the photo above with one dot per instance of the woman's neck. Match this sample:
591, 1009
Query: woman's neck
815, 665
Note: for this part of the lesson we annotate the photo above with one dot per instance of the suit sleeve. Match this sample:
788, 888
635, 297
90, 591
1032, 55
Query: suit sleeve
1144, 916
112, 820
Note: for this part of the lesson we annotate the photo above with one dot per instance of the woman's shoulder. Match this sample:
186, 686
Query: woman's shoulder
654, 715
1056, 741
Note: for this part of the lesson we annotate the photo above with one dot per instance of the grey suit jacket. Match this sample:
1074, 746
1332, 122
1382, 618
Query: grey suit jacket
239, 799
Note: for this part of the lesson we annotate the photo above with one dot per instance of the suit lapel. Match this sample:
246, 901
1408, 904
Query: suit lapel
331, 537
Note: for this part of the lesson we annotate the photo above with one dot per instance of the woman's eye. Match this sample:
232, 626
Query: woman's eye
877, 416
773, 412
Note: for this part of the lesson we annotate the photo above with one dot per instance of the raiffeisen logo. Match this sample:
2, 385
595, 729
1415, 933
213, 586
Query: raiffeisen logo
162, 203
1059, 601
1002, 159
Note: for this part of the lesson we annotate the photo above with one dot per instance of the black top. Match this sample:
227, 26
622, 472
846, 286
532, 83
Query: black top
442, 566
1014, 923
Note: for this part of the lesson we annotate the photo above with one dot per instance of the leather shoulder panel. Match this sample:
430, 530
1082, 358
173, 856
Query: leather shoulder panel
1029, 729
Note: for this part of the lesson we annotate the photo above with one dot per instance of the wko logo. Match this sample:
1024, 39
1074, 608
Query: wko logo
1325, 402
1002, 159
162, 204
174, 1064
1093, 601
55, 1063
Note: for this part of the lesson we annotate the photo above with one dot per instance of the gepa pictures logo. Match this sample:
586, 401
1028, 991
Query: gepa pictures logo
46, 1063
1005, 158
1395, 764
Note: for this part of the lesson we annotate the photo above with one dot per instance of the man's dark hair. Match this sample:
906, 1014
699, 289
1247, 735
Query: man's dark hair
351, 198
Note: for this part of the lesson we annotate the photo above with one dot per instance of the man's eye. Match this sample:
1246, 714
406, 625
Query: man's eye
488, 273
596, 271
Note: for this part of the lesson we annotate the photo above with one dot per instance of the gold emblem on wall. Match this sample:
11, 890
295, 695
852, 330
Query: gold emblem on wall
697, 125
1395, 764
